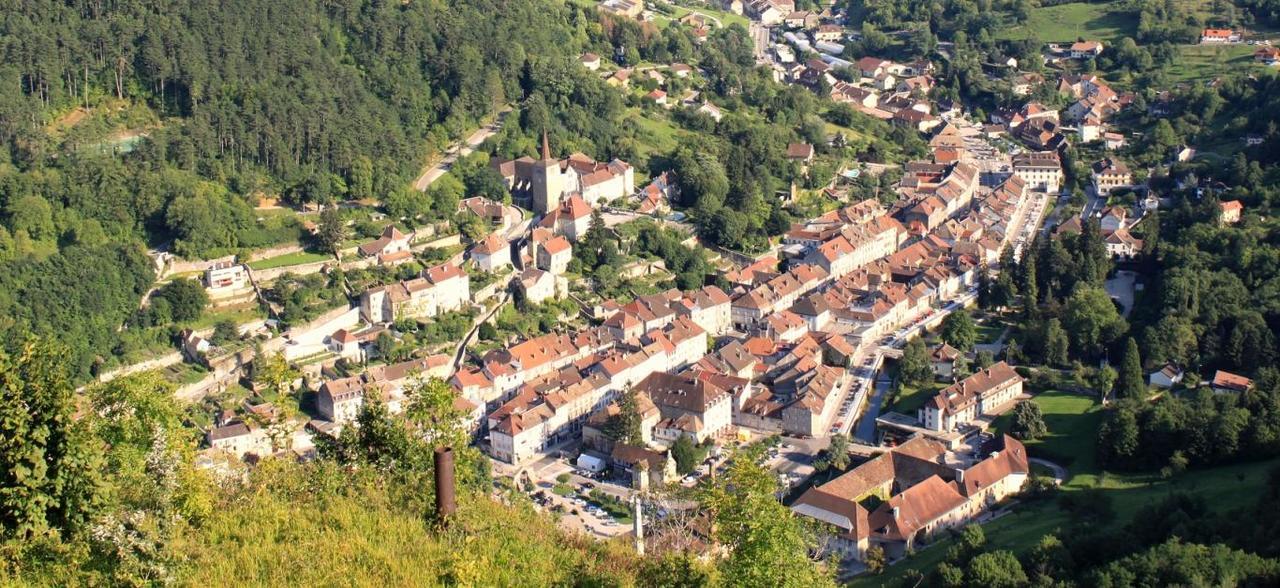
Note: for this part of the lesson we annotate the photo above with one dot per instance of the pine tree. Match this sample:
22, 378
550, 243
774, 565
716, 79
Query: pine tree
1029, 282
1056, 343
331, 231
1132, 384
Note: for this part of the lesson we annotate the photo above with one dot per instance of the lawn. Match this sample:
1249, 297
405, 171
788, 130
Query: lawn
989, 331
913, 397
1201, 62
725, 18
288, 259
238, 314
1073, 421
1067, 22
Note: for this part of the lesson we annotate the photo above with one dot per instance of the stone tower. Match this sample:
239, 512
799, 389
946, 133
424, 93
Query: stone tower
547, 184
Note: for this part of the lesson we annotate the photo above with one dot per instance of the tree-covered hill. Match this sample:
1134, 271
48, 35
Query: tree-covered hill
133, 124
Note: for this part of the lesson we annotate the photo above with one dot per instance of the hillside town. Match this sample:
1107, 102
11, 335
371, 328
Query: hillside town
922, 295
787, 344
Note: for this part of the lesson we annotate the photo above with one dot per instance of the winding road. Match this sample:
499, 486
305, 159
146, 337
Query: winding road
460, 149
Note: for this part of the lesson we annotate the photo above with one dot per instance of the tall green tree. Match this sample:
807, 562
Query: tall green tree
914, 366
625, 427
959, 330
1093, 321
1056, 344
1131, 384
331, 231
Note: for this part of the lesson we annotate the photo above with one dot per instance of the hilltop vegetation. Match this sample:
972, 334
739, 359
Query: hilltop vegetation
222, 103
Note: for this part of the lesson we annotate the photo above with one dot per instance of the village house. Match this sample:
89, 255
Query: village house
627, 8
905, 497
496, 216
339, 400
1166, 377
390, 248
1218, 36
644, 468
1113, 141
439, 289
842, 91
1267, 55
239, 439
800, 19
942, 360
492, 254
590, 61
554, 255
1122, 245
225, 276
801, 152
1230, 211
982, 394
828, 33
537, 285
690, 406
1085, 49
1226, 382
1108, 174
572, 218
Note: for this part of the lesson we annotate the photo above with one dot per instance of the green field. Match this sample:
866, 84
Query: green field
1073, 422
1201, 62
238, 314
288, 259
1067, 22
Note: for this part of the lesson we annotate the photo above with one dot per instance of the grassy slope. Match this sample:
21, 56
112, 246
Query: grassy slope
1066, 22
1200, 62
326, 539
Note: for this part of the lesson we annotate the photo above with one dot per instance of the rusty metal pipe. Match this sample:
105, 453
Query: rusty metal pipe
446, 499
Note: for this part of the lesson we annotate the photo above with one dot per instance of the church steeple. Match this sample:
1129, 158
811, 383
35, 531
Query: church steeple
547, 184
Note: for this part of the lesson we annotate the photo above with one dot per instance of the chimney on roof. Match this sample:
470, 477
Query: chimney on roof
895, 512
960, 475
995, 454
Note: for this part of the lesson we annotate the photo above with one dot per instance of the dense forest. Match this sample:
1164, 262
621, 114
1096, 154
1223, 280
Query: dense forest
144, 124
